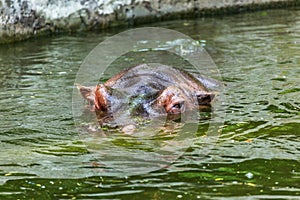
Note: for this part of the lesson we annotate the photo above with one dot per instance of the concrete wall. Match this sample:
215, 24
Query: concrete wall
22, 19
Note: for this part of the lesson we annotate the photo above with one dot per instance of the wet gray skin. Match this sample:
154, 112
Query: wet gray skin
147, 91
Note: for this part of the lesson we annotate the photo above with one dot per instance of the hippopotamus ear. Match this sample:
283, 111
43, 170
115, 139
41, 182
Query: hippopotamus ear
97, 97
101, 97
205, 98
88, 93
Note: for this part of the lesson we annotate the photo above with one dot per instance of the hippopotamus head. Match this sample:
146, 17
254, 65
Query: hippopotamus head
147, 91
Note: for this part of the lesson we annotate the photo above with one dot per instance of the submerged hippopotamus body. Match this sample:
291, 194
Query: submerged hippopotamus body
147, 91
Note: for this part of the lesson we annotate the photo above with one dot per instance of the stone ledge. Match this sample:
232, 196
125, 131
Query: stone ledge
20, 20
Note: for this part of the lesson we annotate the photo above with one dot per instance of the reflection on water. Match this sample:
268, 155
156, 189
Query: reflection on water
258, 55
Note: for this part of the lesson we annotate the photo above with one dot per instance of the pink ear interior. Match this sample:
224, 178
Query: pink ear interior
96, 96
101, 97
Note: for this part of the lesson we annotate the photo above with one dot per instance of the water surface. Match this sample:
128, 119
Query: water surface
257, 154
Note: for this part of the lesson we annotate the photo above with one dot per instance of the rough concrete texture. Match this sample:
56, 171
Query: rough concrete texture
22, 19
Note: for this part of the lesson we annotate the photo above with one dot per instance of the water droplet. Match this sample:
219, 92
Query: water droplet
249, 175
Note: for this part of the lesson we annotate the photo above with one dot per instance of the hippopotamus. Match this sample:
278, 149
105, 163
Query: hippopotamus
147, 91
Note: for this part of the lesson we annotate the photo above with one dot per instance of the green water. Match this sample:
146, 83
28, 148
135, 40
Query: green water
257, 155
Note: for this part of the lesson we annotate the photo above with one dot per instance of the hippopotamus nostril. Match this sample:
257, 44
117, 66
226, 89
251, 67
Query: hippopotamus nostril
177, 105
